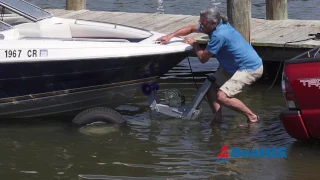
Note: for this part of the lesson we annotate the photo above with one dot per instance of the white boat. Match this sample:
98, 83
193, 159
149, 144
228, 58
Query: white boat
52, 66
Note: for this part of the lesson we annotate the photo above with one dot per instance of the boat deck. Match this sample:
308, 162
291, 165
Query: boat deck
264, 33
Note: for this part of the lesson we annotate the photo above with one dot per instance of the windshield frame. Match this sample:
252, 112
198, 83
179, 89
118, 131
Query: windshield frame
8, 26
9, 4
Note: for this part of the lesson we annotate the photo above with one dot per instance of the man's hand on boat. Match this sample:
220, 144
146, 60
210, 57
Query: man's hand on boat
165, 39
189, 40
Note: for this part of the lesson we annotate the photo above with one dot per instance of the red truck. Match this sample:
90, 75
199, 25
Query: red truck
301, 89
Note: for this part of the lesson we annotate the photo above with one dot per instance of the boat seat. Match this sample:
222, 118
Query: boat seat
52, 31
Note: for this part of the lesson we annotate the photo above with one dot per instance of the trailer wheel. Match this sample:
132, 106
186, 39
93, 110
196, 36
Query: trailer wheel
98, 115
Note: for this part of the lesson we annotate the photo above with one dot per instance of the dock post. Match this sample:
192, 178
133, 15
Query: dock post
276, 9
239, 15
76, 4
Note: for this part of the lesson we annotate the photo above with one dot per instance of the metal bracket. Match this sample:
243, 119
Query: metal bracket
188, 111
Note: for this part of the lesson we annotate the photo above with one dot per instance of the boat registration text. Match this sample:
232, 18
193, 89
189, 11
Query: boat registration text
29, 53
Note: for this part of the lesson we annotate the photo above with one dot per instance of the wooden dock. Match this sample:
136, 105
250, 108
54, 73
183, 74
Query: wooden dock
265, 34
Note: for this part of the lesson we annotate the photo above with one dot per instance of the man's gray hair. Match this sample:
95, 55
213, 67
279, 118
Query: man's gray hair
213, 15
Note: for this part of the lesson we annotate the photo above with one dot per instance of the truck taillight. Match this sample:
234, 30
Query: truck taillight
288, 93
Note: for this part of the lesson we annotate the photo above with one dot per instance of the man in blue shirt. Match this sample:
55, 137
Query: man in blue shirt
240, 65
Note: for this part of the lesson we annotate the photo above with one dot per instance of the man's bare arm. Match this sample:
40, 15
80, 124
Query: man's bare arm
184, 31
181, 32
203, 55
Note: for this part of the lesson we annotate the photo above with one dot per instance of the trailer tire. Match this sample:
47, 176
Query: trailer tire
98, 115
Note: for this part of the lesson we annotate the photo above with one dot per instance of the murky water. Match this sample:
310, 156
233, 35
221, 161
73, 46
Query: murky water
153, 146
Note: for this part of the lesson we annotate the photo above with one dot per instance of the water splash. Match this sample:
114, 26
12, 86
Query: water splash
215, 3
160, 7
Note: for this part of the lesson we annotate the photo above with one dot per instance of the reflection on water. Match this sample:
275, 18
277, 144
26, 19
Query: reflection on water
215, 3
153, 146
98, 129
160, 7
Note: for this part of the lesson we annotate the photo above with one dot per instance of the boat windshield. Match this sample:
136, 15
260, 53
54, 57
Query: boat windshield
4, 26
24, 9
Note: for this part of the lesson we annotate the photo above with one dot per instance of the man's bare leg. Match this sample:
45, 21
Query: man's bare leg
237, 105
214, 104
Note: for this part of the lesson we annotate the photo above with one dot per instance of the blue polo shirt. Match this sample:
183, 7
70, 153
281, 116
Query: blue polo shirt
231, 50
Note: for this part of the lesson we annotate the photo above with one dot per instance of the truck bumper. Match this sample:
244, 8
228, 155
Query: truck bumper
293, 124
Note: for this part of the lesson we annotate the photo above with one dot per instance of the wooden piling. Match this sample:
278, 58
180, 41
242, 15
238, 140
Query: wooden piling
239, 15
276, 9
76, 4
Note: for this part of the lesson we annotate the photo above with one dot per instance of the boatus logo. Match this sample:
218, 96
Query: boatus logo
262, 152
308, 82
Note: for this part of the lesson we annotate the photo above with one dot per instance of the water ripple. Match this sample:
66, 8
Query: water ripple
298, 9
159, 147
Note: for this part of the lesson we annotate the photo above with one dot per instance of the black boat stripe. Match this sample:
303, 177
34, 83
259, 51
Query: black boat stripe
76, 90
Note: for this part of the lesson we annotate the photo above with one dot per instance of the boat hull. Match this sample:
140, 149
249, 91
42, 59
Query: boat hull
44, 88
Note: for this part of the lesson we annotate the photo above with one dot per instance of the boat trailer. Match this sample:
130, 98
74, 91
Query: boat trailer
175, 103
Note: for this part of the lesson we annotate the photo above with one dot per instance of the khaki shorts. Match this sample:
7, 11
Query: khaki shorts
233, 84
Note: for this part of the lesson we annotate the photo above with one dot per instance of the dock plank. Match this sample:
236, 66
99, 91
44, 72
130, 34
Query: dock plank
191, 20
283, 32
164, 23
90, 15
289, 39
268, 33
274, 29
107, 16
263, 28
163, 26
130, 18
146, 20
118, 18
158, 20
74, 13
59, 12
273, 34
